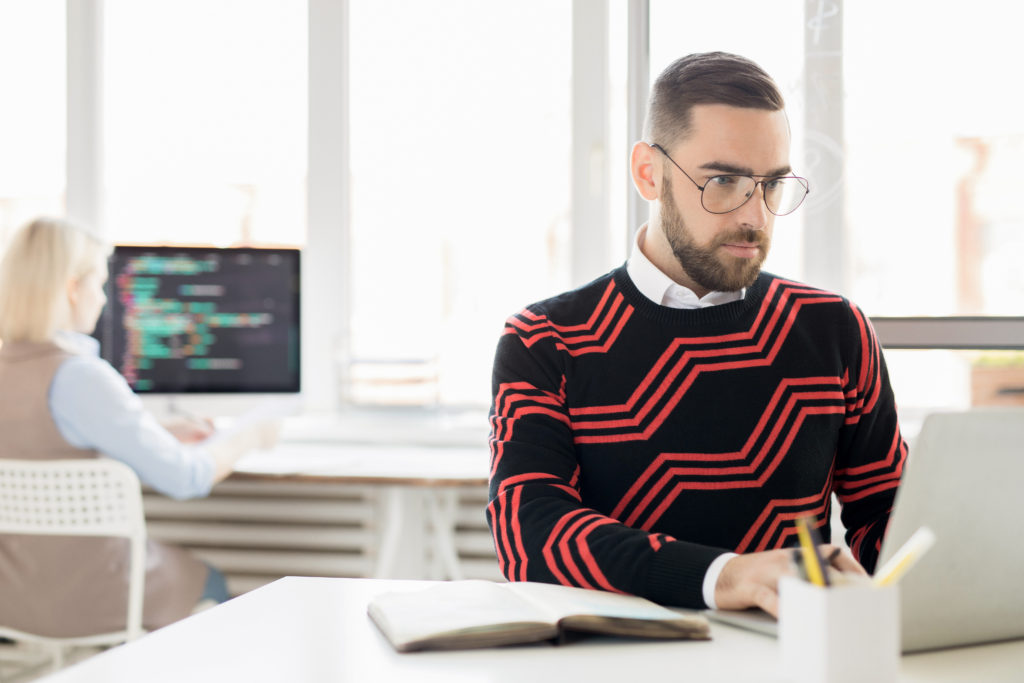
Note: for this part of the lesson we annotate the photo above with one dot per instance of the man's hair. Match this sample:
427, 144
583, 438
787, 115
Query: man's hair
40, 260
705, 78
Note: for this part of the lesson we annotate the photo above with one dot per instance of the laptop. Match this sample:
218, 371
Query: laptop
963, 480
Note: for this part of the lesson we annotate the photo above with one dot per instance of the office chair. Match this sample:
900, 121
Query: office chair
84, 497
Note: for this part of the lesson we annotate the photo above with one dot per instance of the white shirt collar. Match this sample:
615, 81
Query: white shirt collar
663, 290
76, 342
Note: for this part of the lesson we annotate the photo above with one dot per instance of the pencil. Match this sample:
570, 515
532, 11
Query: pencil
812, 559
908, 554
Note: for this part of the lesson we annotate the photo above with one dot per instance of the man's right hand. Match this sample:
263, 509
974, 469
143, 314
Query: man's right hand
752, 580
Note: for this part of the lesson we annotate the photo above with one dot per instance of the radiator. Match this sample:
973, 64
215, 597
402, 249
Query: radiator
256, 532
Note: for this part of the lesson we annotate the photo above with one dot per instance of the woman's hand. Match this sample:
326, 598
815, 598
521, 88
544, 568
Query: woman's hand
188, 429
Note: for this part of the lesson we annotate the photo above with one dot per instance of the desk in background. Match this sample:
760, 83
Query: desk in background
316, 629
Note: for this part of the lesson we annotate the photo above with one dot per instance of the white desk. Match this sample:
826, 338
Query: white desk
316, 630
419, 486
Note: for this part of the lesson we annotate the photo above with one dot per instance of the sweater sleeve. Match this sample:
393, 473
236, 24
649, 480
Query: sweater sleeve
871, 449
542, 529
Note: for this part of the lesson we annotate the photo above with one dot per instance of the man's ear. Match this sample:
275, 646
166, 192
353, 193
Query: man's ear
642, 166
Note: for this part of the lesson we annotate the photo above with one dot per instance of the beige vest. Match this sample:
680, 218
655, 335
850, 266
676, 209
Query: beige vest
65, 586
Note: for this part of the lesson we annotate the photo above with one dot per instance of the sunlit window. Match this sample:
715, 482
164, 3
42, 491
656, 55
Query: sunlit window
460, 187
932, 141
32, 116
205, 121
460, 149
935, 144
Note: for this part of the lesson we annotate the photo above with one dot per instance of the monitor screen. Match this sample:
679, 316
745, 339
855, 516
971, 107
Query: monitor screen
203, 319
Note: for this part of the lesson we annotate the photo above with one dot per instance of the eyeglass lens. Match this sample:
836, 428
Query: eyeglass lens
726, 193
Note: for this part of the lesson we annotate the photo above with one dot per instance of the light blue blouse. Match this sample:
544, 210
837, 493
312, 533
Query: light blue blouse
94, 407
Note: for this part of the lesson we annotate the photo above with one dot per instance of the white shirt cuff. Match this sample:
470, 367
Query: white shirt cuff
711, 578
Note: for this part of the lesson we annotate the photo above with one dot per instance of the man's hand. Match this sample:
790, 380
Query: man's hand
752, 580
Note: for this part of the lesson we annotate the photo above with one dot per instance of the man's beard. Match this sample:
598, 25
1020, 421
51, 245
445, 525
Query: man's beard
703, 264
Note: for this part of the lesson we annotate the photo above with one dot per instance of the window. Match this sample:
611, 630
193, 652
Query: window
32, 118
935, 142
459, 152
460, 143
912, 210
205, 121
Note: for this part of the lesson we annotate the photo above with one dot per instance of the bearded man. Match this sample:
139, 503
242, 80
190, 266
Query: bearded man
658, 431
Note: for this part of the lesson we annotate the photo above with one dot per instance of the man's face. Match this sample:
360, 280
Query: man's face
722, 252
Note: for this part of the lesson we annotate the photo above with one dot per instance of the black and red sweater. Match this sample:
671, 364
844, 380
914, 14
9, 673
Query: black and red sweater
631, 443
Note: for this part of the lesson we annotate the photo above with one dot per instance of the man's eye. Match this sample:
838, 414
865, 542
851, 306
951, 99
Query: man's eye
723, 180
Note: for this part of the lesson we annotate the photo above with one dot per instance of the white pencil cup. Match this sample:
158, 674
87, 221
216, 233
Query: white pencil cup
841, 633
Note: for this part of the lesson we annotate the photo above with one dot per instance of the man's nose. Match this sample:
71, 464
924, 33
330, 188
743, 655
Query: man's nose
754, 213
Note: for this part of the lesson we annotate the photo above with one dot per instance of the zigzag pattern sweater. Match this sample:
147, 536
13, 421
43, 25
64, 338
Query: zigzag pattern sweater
631, 443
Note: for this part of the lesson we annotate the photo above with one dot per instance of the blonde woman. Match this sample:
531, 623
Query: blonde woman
58, 399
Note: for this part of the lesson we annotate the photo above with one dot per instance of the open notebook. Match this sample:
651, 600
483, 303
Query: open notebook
962, 480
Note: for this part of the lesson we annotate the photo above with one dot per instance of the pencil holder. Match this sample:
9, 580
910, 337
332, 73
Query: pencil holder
840, 633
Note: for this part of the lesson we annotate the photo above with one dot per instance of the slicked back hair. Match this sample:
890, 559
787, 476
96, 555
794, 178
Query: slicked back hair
705, 78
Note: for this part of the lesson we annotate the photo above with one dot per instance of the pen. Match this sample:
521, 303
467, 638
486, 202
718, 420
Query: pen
905, 558
809, 540
798, 564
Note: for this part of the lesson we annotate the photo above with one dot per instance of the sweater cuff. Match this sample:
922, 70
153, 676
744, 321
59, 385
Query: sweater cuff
676, 575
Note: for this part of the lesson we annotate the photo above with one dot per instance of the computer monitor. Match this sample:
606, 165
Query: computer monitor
203, 320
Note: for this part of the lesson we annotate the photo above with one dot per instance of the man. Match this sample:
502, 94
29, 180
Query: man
658, 430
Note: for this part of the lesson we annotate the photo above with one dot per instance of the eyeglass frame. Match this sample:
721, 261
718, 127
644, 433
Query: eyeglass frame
764, 198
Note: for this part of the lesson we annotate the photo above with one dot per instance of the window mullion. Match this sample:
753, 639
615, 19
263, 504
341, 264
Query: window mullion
85, 169
590, 158
637, 86
325, 271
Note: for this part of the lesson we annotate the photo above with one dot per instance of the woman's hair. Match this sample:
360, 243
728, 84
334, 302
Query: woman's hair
39, 262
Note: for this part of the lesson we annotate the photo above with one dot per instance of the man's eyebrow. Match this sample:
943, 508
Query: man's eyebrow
732, 169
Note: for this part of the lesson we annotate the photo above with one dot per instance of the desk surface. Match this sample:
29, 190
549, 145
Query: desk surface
366, 464
316, 629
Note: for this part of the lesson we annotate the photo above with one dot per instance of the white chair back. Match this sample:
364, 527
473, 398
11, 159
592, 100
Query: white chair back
81, 497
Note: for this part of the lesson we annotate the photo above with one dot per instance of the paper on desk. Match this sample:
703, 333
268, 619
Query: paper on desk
266, 411
288, 459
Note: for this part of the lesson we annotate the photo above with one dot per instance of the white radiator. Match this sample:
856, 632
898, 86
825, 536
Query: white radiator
257, 532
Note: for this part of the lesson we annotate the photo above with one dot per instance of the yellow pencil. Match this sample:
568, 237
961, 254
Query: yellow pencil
909, 553
812, 560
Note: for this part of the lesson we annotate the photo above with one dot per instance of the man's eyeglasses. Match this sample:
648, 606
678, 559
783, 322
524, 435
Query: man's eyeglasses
725, 193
